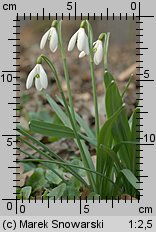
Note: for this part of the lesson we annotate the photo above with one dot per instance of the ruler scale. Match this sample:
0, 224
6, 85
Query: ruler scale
139, 214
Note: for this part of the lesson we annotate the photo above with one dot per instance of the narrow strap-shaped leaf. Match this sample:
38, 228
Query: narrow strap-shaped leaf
85, 156
58, 131
62, 116
108, 78
131, 178
113, 156
81, 122
50, 154
105, 140
134, 135
64, 164
117, 146
120, 130
50, 129
44, 164
112, 161
126, 87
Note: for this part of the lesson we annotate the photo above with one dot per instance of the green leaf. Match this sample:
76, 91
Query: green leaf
130, 177
72, 188
113, 156
52, 177
49, 129
120, 129
62, 116
117, 146
37, 181
105, 138
41, 115
81, 122
88, 162
86, 159
26, 192
108, 78
28, 167
79, 163
57, 192
48, 153
57, 131
126, 87
136, 147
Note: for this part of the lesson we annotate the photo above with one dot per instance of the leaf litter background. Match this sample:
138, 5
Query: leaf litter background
121, 61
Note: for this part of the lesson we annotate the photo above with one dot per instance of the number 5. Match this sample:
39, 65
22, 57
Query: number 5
86, 209
69, 6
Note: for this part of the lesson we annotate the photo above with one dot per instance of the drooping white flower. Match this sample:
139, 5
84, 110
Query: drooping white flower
97, 49
82, 41
40, 76
98, 55
52, 36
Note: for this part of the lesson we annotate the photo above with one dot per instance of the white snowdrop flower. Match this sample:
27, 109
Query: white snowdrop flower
52, 36
40, 76
82, 54
98, 55
81, 38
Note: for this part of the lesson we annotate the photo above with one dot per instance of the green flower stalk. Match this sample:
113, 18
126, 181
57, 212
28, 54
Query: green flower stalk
106, 44
91, 60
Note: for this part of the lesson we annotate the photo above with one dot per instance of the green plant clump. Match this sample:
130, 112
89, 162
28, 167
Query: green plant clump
117, 151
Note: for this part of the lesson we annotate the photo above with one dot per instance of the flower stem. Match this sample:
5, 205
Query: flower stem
106, 44
66, 73
94, 96
90, 43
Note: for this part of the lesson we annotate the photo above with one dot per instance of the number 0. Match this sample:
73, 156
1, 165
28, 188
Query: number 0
9, 206
22, 208
133, 5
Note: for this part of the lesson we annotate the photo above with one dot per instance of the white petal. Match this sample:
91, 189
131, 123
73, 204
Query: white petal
86, 48
82, 54
43, 78
53, 39
31, 77
38, 84
99, 53
72, 42
82, 41
44, 39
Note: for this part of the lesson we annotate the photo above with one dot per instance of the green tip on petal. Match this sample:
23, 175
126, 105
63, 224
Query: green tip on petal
102, 36
54, 23
83, 24
39, 60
